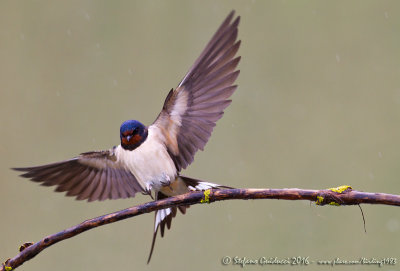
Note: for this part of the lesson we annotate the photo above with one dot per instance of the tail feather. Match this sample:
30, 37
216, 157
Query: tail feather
164, 217
198, 185
152, 244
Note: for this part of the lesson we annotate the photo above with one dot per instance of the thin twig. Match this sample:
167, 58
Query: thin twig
363, 217
339, 196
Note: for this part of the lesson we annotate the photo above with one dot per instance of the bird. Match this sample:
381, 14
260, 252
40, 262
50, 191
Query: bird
151, 158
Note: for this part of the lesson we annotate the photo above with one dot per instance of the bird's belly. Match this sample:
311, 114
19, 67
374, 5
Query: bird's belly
150, 163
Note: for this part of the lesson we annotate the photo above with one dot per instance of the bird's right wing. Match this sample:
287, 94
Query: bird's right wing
92, 175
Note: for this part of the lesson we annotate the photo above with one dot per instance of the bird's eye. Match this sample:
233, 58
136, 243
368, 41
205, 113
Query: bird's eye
135, 130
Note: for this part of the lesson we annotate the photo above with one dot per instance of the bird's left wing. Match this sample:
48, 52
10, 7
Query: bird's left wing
191, 110
93, 176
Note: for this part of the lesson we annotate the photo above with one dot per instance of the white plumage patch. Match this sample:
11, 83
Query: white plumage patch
180, 107
203, 186
173, 122
161, 215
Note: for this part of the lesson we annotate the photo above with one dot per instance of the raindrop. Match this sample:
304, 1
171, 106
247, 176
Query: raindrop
380, 155
337, 58
393, 225
87, 16
22, 36
371, 176
69, 33
130, 71
115, 82
386, 15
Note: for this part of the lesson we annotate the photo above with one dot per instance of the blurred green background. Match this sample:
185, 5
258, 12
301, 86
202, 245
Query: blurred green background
318, 105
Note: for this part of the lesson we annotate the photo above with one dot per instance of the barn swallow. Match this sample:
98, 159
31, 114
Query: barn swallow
150, 158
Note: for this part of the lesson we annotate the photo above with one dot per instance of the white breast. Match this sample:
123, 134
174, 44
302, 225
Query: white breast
150, 162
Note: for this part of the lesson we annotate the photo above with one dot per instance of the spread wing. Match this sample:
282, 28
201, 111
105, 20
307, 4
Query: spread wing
91, 175
191, 110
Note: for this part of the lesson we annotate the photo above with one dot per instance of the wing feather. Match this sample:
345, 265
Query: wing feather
92, 176
82, 184
216, 96
107, 187
88, 190
118, 190
125, 188
191, 110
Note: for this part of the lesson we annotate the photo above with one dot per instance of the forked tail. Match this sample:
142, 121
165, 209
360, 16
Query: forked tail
164, 216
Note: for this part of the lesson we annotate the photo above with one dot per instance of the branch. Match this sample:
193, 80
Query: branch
343, 195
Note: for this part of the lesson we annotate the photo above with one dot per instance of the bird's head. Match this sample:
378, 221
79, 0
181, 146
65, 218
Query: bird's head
132, 134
